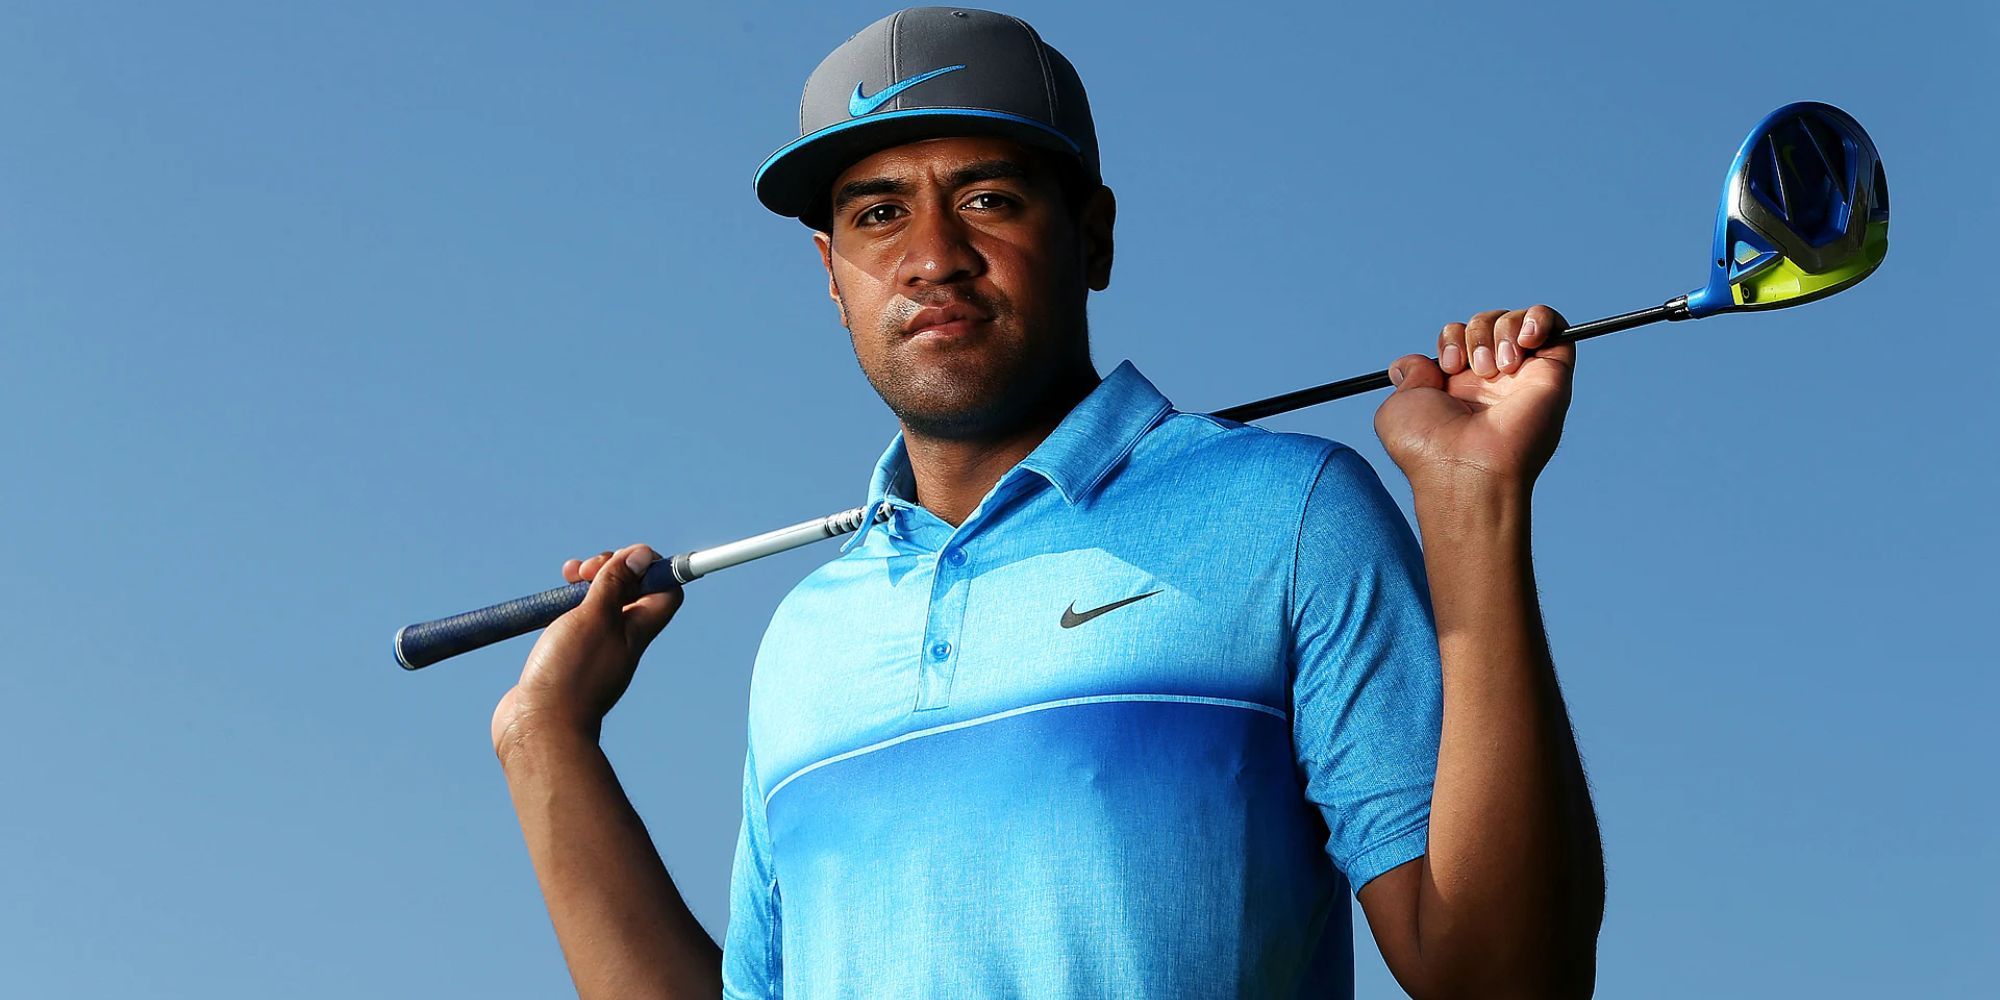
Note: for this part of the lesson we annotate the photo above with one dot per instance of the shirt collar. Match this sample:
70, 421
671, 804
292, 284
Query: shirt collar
1076, 457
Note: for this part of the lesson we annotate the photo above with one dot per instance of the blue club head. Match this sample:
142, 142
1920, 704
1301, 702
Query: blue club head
1805, 213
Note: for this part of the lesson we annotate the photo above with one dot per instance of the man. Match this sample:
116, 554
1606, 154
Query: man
1117, 701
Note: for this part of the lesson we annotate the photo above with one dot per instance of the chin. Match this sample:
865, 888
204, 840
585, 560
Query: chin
951, 394
979, 388
961, 416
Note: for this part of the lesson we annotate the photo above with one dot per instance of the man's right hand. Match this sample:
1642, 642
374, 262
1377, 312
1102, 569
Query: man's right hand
584, 660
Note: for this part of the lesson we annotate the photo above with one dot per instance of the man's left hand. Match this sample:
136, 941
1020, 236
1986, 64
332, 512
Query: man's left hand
1487, 413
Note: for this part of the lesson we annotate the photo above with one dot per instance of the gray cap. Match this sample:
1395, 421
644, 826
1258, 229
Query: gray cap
924, 73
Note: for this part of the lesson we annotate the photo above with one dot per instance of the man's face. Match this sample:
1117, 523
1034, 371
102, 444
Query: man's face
961, 276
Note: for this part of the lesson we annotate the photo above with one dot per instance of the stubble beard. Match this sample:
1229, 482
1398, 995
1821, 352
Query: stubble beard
977, 391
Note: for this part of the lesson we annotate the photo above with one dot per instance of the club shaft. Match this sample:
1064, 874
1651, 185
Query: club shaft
425, 643
1674, 310
692, 566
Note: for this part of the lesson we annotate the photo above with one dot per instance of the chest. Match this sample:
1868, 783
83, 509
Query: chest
881, 649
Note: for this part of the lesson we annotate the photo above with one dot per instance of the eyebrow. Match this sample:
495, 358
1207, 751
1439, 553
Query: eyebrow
971, 173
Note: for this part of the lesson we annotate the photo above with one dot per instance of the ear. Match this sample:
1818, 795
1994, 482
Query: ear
1099, 214
825, 243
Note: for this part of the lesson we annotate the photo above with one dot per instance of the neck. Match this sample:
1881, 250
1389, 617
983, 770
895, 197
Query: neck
954, 474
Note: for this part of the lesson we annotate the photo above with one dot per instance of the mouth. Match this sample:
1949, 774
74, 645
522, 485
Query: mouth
948, 323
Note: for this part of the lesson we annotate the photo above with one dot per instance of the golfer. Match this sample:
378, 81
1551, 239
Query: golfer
1117, 700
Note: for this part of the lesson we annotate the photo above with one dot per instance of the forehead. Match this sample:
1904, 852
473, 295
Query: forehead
934, 158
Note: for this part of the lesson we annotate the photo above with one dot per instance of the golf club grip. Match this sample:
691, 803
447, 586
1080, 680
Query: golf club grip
425, 643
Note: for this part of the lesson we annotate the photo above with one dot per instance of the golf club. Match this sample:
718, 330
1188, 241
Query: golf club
1804, 214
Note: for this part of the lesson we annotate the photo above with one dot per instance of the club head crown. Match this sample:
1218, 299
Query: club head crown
1804, 214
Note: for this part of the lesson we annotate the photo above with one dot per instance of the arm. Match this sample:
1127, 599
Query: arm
1509, 895
624, 929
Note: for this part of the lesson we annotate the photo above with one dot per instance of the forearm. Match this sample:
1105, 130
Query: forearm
623, 926
1513, 874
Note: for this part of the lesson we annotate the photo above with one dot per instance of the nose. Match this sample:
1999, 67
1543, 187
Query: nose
938, 249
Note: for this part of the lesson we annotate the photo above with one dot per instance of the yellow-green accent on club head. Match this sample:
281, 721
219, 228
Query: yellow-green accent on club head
1785, 283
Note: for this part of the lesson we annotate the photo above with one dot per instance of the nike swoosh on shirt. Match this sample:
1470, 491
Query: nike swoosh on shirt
860, 104
1071, 619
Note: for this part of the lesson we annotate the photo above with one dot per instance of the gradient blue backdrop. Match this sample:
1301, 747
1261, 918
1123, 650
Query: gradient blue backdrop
317, 319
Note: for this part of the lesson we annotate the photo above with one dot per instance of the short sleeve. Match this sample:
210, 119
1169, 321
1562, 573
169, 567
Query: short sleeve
1367, 691
752, 960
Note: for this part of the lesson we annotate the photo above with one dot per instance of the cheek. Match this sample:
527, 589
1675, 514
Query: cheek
859, 288
864, 300
1032, 287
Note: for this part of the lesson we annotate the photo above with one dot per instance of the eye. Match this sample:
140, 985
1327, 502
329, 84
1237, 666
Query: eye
991, 200
875, 215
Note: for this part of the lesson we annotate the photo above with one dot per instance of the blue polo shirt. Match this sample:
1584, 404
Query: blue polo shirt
1135, 728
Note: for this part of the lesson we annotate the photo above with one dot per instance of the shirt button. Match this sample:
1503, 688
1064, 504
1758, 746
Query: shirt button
956, 557
940, 650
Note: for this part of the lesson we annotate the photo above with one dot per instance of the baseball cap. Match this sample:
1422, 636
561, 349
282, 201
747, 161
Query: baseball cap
924, 73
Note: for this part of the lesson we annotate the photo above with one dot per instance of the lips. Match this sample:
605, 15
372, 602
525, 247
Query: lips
946, 320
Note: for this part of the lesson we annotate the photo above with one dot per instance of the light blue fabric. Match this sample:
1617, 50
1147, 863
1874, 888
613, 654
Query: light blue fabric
948, 793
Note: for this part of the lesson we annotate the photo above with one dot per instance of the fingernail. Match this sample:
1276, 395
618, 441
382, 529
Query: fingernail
1448, 359
638, 561
1396, 376
1482, 360
1528, 327
1506, 354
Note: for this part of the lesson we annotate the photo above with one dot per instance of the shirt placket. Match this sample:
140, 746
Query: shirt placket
944, 623
952, 567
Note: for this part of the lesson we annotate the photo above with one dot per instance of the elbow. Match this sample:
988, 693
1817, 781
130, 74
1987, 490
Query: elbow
1550, 972
1576, 984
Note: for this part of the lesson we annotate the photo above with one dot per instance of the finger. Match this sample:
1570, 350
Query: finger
1562, 352
645, 617
1451, 348
1507, 353
1479, 343
572, 571
1540, 326
1414, 371
593, 564
616, 582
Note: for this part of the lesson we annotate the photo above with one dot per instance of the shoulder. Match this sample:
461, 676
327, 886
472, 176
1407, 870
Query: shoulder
1320, 494
807, 604
1230, 460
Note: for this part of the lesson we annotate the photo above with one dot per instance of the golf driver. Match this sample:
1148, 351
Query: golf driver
1804, 214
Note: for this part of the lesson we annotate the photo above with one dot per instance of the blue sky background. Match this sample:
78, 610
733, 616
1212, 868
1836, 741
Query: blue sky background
317, 319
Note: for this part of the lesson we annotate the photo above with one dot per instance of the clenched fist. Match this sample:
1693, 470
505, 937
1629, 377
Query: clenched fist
1488, 412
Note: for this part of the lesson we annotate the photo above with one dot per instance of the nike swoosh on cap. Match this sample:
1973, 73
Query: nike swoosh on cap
1070, 618
859, 104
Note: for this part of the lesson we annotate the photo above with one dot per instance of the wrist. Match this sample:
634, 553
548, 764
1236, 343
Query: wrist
528, 733
1472, 502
